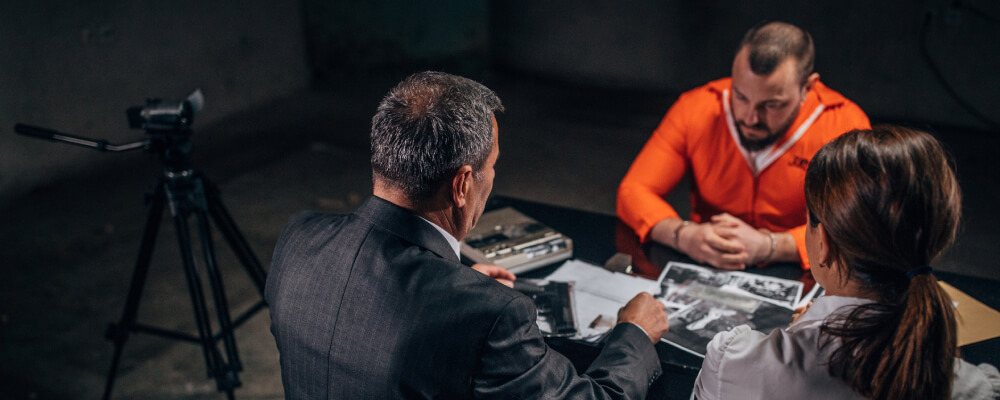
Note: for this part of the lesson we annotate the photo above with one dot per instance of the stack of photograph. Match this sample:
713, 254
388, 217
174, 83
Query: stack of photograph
701, 302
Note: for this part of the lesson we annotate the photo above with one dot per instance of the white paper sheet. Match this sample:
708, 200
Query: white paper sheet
599, 294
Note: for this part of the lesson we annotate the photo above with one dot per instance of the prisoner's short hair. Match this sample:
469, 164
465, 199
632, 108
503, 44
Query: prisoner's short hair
770, 44
429, 126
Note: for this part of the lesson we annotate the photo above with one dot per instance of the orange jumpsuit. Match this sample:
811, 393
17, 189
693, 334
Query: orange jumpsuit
698, 135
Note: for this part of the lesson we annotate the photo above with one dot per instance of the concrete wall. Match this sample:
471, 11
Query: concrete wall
347, 40
76, 67
868, 50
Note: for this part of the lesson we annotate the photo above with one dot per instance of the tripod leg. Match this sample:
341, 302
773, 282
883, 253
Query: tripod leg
197, 295
233, 236
119, 333
219, 297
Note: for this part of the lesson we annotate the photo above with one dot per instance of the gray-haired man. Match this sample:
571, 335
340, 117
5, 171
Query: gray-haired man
375, 304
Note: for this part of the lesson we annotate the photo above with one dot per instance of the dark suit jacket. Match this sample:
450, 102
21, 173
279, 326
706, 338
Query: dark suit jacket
375, 305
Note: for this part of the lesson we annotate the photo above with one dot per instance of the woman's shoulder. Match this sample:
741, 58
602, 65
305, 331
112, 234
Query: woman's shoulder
798, 348
740, 344
740, 336
745, 363
975, 381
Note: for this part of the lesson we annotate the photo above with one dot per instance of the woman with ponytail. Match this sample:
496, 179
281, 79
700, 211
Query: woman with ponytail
883, 205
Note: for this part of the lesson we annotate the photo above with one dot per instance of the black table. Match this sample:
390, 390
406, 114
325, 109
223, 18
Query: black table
597, 237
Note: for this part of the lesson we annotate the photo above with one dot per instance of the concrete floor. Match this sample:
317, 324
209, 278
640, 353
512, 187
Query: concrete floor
70, 247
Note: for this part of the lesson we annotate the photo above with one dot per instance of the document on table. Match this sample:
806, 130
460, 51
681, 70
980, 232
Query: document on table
976, 321
701, 302
598, 294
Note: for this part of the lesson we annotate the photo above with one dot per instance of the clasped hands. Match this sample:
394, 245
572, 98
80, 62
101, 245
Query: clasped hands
724, 242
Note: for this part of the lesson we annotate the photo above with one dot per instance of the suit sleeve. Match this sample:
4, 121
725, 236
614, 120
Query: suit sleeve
655, 172
516, 363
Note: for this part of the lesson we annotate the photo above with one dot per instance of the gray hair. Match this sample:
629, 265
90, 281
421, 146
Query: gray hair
772, 43
429, 126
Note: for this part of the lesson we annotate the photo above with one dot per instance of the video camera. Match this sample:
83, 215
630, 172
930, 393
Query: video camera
167, 122
166, 115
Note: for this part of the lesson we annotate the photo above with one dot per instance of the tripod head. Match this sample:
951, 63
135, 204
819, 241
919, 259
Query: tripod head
168, 124
166, 116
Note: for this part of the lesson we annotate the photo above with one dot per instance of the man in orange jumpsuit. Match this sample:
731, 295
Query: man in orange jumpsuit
747, 141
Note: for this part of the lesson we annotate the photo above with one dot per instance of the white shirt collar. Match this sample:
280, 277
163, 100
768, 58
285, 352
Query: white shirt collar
447, 236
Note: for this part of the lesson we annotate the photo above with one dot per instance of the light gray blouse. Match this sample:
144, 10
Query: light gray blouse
788, 364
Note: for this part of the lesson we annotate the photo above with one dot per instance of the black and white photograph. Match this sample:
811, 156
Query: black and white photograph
677, 300
677, 276
702, 302
782, 292
692, 328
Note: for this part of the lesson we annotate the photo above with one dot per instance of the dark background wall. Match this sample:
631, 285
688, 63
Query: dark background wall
76, 66
349, 40
869, 50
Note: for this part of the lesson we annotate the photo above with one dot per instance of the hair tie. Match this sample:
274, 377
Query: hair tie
918, 270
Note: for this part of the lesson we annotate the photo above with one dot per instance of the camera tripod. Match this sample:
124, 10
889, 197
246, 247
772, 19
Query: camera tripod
186, 193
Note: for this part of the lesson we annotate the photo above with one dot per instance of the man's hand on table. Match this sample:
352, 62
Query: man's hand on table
646, 312
762, 246
756, 242
725, 242
702, 243
501, 274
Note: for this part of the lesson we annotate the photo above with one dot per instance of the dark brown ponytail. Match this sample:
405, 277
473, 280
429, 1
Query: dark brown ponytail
889, 202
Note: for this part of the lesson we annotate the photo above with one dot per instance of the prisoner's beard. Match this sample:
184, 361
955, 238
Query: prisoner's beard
772, 137
759, 144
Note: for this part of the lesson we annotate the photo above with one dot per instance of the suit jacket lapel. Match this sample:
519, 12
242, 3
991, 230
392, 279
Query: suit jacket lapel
403, 223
